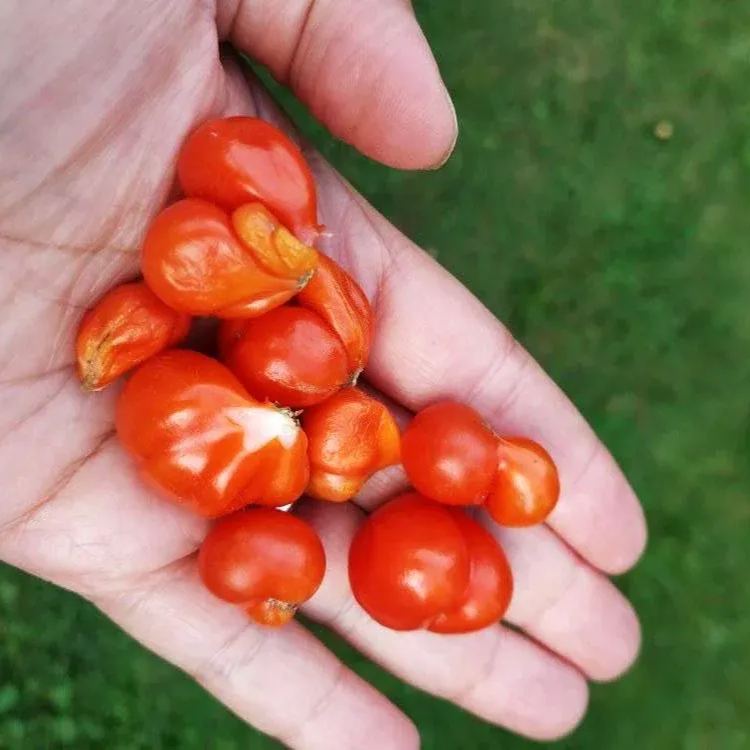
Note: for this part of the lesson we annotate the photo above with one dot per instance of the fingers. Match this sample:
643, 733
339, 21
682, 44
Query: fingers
563, 603
495, 673
365, 70
435, 340
284, 682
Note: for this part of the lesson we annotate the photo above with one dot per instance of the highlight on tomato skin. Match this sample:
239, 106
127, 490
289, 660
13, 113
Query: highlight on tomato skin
267, 561
200, 260
203, 441
490, 587
409, 562
527, 485
238, 160
338, 299
350, 436
125, 327
449, 454
288, 356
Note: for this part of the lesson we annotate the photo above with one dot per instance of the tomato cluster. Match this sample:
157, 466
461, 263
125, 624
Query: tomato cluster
225, 438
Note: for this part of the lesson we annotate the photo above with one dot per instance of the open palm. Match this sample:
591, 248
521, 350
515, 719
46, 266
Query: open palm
97, 98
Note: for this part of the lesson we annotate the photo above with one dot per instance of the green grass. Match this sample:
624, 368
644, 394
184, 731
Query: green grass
621, 261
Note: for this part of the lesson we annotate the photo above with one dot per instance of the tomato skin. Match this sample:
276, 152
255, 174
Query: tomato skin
126, 326
527, 485
237, 160
350, 436
337, 298
203, 441
449, 454
288, 356
408, 562
490, 588
195, 262
266, 560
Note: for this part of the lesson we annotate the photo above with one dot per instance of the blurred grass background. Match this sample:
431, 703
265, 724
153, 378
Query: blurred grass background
597, 202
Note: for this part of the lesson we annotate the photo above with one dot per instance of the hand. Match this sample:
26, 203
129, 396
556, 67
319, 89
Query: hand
97, 100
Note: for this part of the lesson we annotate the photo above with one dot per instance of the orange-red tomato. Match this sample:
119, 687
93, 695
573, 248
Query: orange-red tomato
265, 560
337, 298
450, 454
350, 436
199, 437
288, 356
127, 325
490, 586
200, 260
237, 160
526, 486
409, 562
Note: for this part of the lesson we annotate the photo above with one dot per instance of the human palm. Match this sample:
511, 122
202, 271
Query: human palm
97, 99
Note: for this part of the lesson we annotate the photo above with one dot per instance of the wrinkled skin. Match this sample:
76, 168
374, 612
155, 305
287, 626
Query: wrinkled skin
96, 100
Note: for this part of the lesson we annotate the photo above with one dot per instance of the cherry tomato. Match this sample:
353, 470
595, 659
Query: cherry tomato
127, 325
198, 259
450, 454
409, 562
337, 298
242, 159
200, 438
265, 560
490, 586
289, 356
527, 485
350, 436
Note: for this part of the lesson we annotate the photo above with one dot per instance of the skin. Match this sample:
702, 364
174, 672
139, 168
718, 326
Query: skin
449, 454
76, 200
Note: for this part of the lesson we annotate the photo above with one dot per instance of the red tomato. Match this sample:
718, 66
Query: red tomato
490, 586
409, 562
337, 298
199, 437
266, 560
242, 159
199, 260
289, 356
527, 485
350, 436
127, 325
450, 454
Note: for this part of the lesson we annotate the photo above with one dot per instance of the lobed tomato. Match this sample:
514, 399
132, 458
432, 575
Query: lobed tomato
126, 326
490, 587
350, 436
238, 160
408, 563
299, 355
265, 560
449, 454
199, 437
526, 487
200, 260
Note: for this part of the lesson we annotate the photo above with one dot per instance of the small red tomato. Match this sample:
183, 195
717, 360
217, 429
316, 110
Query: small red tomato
526, 486
265, 560
337, 298
490, 586
409, 562
449, 454
198, 259
199, 437
127, 325
350, 436
238, 160
288, 356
